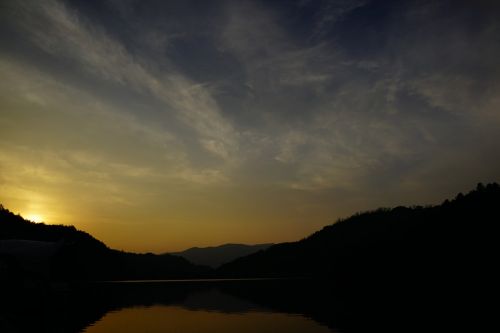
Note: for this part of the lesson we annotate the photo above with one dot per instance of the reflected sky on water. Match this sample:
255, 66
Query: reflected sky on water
160, 318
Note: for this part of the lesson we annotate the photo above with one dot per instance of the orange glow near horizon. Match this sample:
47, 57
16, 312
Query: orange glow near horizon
252, 131
35, 218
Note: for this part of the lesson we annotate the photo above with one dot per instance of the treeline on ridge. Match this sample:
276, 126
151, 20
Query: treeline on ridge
383, 247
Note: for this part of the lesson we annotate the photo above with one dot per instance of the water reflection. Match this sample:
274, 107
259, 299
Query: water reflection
160, 318
209, 306
201, 306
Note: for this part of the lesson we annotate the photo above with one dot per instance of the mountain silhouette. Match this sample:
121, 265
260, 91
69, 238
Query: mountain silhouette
401, 238
399, 269
384, 247
214, 256
29, 250
435, 257
401, 265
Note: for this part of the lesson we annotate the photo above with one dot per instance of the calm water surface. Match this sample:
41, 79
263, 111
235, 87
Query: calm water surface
223, 306
218, 306
200, 306
197, 306
160, 319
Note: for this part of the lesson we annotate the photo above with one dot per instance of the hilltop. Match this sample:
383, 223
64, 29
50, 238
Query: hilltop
214, 256
82, 257
386, 245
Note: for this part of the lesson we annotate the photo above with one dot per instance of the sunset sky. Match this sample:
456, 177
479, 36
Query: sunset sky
161, 125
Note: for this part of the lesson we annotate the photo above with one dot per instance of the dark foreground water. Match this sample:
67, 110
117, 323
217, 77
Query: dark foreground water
206, 306
170, 318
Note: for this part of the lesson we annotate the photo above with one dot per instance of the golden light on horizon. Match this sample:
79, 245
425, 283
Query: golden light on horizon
163, 138
35, 218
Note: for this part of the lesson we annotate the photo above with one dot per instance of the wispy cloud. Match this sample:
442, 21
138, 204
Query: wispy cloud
252, 103
66, 34
93, 135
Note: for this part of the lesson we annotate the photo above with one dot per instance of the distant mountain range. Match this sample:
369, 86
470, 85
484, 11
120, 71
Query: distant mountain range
214, 256
405, 265
416, 253
384, 248
79, 256
410, 267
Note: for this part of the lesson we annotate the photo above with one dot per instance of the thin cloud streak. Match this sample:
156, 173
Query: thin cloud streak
252, 108
66, 35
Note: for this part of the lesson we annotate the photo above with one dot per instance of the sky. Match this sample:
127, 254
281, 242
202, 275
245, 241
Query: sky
160, 125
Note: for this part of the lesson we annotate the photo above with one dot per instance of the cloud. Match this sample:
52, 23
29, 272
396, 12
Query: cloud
67, 35
273, 60
331, 12
338, 118
358, 102
85, 134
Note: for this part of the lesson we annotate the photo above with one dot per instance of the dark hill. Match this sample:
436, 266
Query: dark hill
82, 257
423, 244
404, 269
215, 256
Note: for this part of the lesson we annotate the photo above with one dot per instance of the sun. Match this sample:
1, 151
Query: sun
34, 218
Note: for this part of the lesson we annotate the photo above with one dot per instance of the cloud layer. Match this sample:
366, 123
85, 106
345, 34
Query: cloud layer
233, 121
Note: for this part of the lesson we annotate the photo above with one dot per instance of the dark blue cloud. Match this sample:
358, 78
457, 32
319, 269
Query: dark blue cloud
308, 96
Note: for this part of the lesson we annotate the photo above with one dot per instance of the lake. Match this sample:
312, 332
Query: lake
288, 306
199, 306
161, 318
